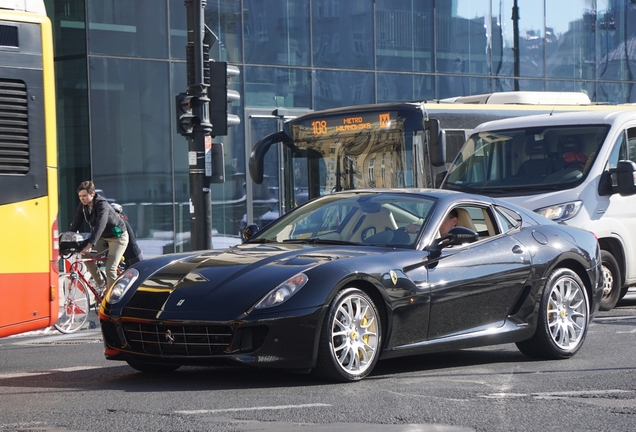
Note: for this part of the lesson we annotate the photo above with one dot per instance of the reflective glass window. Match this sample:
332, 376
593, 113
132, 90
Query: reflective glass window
570, 47
128, 28
342, 33
461, 85
131, 144
223, 17
228, 198
528, 23
586, 87
404, 87
616, 92
616, 45
181, 169
276, 32
336, 89
277, 87
178, 29
404, 35
508, 84
462, 36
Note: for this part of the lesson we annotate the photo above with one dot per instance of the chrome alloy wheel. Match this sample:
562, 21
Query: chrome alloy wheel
567, 313
354, 334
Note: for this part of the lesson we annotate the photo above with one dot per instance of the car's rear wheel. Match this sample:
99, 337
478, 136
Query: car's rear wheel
350, 339
563, 318
152, 367
611, 281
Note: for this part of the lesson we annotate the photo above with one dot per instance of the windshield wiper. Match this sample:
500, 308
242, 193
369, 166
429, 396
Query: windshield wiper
318, 240
261, 240
463, 188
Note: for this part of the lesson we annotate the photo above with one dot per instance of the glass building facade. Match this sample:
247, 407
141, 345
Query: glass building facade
120, 63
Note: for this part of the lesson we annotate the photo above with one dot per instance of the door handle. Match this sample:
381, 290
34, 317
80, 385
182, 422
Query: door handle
517, 249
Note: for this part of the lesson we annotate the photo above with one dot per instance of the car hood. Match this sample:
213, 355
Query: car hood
234, 279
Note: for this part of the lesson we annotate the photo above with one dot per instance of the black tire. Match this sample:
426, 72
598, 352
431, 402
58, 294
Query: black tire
152, 367
563, 319
612, 284
351, 338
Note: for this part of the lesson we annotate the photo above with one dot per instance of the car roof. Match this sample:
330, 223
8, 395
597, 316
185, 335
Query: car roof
558, 119
438, 194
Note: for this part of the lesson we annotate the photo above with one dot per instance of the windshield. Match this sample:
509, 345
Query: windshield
524, 161
377, 219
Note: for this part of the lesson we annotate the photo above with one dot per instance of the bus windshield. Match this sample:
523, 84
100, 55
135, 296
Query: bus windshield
341, 149
526, 160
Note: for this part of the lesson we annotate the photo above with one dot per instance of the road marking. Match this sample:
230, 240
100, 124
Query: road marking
556, 394
614, 318
9, 375
279, 407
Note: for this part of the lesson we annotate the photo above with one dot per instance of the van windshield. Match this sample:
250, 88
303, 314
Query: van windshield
527, 160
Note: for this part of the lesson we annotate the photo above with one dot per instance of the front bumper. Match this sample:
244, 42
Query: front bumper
288, 341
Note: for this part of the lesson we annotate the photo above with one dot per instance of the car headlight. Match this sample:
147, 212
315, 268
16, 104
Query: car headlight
282, 292
560, 212
121, 285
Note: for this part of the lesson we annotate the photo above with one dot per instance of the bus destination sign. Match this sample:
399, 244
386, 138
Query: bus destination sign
351, 123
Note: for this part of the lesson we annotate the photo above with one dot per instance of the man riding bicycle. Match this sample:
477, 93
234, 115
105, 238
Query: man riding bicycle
108, 232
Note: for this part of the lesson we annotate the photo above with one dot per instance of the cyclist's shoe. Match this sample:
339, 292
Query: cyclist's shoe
101, 289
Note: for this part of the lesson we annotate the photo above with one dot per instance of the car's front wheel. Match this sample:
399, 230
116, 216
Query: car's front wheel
350, 339
563, 318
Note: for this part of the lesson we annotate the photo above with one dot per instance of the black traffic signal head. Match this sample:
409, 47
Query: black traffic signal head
220, 96
184, 114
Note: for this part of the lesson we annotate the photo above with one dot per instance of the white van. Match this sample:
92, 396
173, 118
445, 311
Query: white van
575, 168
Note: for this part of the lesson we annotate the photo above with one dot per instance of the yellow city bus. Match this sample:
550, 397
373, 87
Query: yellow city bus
28, 170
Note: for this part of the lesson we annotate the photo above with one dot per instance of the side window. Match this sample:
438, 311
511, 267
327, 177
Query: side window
619, 152
631, 144
478, 219
507, 218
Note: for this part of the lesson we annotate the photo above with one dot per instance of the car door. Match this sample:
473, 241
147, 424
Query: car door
473, 287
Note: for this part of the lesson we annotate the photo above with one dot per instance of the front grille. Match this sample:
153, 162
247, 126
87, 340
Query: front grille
178, 340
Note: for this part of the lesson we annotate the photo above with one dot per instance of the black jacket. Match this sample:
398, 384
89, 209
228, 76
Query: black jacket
102, 219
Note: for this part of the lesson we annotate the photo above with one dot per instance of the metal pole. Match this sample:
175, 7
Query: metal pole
515, 49
197, 56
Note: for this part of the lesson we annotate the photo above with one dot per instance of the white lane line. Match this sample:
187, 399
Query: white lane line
556, 394
9, 375
279, 407
614, 318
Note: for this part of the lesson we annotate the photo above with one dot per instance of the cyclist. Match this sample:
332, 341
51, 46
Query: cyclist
133, 253
108, 232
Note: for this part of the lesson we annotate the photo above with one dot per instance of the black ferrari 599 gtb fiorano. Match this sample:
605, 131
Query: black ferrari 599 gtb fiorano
355, 277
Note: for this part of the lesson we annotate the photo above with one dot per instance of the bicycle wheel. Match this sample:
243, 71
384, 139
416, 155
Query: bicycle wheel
74, 304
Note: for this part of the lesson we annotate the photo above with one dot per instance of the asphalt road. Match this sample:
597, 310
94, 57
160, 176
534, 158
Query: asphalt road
52, 382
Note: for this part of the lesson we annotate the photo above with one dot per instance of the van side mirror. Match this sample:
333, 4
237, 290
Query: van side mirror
439, 178
436, 142
625, 178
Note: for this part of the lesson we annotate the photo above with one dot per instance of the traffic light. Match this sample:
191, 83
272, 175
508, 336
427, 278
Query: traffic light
220, 96
184, 114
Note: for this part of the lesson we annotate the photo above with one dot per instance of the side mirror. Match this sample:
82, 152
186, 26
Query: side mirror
249, 232
436, 143
439, 178
625, 177
455, 237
